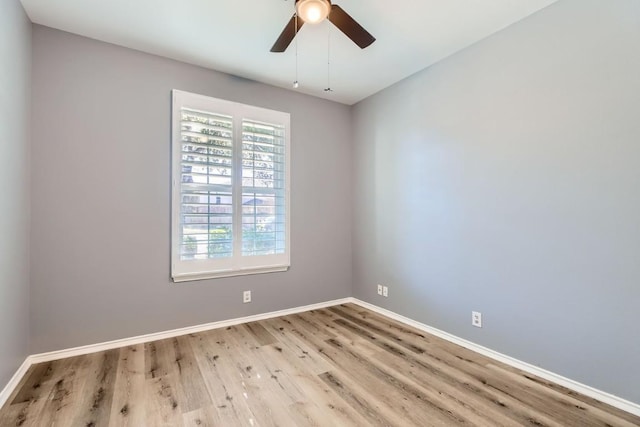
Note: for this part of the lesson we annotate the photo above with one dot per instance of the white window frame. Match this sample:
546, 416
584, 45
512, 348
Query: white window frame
237, 265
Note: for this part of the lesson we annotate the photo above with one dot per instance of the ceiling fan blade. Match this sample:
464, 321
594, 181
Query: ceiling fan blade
287, 35
350, 27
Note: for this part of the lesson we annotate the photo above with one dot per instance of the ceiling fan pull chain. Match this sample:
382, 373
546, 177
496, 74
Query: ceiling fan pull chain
328, 89
295, 82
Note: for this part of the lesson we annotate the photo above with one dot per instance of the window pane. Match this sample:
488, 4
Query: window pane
206, 223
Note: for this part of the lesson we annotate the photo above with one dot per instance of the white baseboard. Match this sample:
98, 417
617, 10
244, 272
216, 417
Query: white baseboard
14, 381
602, 396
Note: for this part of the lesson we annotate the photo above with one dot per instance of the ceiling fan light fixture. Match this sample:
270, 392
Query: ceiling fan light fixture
313, 11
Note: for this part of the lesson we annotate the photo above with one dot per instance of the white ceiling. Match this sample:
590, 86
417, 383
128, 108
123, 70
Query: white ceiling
235, 36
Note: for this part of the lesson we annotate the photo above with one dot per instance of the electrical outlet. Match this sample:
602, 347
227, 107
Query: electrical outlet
246, 296
385, 291
379, 289
476, 319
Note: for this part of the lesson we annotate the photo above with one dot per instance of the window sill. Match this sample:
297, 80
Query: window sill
189, 277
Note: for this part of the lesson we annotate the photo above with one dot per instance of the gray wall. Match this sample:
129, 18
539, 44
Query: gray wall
505, 179
15, 98
101, 197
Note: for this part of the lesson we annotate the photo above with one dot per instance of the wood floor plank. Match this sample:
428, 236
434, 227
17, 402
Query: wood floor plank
618, 413
62, 401
340, 366
215, 357
380, 331
203, 417
160, 358
311, 324
290, 374
96, 395
403, 395
586, 414
262, 394
49, 386
16, 414
436, 384
474, 400
161, 402
485, 407
357, 340
324, 319
32, 389
296, 341
469, 369
319, 340
422, 340
282, 371
370, 407
191, 389
127, 408
261, 335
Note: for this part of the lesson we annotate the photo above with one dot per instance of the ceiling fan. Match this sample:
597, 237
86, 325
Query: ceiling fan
316, 11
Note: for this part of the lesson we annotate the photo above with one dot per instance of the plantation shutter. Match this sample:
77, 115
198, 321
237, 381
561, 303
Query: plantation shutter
230, 188
206, 210
263, 188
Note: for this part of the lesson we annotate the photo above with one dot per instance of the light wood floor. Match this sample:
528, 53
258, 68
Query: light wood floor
338, 366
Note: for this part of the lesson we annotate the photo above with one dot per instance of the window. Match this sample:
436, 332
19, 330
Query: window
230, 195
